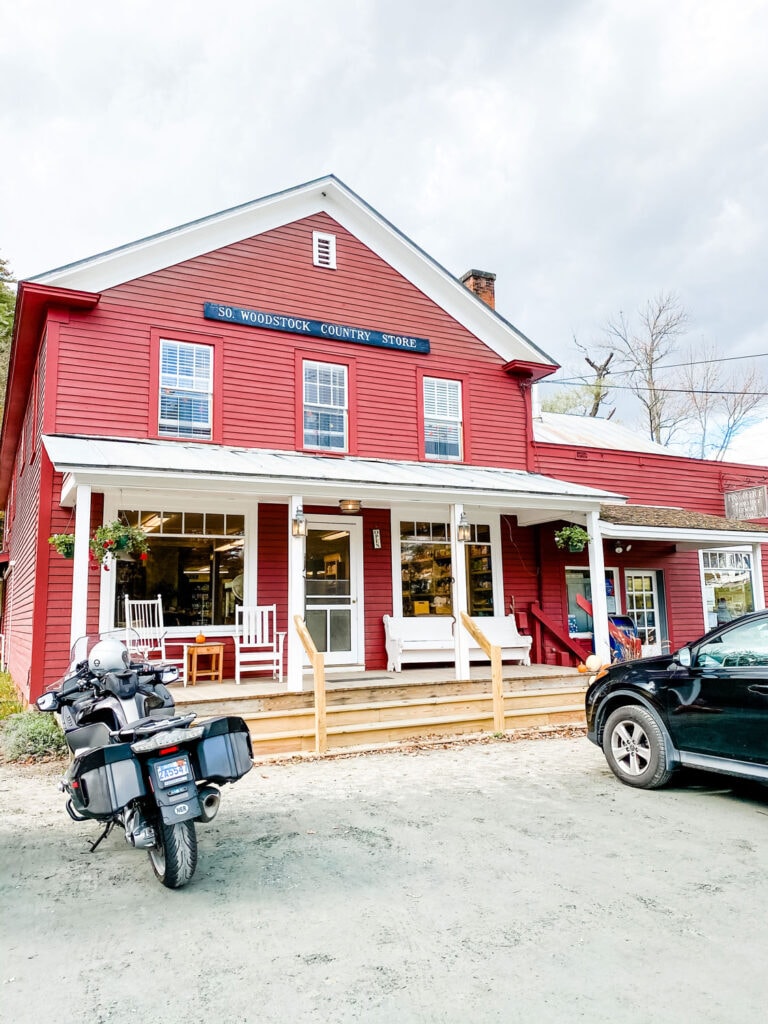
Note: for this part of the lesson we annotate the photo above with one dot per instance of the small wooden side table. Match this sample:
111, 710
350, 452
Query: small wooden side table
192, 668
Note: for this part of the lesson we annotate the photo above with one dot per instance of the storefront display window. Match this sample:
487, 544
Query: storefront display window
426, 573
727, 582
195, 564
578, 583
479, 571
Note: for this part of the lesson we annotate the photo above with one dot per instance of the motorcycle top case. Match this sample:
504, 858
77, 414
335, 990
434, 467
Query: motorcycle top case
224, 754
103, 781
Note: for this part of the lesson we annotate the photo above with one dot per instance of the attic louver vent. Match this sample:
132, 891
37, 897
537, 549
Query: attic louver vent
324, 250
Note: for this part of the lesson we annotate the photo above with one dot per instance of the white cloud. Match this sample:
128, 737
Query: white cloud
590, 153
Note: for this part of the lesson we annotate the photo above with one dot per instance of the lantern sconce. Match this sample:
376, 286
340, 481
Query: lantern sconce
349, 505
299, 523
463, 533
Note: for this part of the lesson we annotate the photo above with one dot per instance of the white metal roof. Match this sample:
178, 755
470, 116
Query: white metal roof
107, 463
592, 432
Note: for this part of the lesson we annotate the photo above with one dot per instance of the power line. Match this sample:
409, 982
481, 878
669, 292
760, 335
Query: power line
666, 366
659, 390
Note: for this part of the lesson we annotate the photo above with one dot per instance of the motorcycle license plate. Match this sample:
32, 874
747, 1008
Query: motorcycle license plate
174, 770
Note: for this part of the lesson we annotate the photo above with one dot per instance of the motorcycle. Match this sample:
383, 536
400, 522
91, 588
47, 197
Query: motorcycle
138, 764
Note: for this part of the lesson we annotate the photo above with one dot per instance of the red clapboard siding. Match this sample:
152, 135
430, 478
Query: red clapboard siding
58, 593
378, 585
274, 271
648, 478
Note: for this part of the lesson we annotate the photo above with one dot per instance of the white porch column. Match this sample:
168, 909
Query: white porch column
459, 595
597, 575
295, 674
758, 589
79, 617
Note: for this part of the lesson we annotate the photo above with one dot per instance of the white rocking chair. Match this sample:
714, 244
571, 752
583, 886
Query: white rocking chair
145, 632
257, 643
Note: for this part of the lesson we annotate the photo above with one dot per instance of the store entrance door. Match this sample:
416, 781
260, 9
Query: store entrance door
333, 607
643, 609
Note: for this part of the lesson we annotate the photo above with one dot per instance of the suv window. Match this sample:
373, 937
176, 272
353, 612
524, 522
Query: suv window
746, 644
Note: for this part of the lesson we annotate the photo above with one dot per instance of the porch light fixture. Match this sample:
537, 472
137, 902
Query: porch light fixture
299, 523
463, 533
349, 505
620, 547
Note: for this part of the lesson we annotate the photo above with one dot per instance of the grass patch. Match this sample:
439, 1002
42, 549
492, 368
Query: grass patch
9, 699
31, 736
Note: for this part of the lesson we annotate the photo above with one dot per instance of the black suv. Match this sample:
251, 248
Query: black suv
706, 706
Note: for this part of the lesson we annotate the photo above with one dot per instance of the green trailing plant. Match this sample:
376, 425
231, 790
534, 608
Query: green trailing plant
572, 537
31, 736
115, 538
64, 544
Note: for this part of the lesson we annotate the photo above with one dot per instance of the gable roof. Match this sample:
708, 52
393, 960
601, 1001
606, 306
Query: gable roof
323, 195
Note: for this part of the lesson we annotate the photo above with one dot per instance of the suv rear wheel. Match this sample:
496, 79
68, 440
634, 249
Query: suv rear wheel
633, 745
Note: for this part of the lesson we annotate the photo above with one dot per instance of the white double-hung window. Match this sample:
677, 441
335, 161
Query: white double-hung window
442, 419
186, 389
325, 406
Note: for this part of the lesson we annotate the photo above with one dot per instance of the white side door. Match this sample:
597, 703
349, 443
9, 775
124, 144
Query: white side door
643, 609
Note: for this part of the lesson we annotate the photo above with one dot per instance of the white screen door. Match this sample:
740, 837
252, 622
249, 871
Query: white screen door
643, 609
333, 588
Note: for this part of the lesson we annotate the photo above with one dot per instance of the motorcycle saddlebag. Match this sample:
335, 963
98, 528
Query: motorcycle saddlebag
104, 780
224, 754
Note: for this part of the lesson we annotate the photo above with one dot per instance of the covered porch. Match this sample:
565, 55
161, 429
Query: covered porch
290, 504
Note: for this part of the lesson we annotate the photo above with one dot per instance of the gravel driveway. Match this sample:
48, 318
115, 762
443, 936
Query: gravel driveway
505, 881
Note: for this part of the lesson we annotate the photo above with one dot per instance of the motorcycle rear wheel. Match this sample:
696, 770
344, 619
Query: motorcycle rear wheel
174, 858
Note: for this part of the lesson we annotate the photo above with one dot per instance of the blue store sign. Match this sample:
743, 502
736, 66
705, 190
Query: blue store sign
312, 328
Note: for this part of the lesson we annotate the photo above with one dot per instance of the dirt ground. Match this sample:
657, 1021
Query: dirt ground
481, 882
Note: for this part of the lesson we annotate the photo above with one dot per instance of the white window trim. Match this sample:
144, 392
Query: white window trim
115, 500
336, 408
449, 420
208, 392
324, 250
757, 596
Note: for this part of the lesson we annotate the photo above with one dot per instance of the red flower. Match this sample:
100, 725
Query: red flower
143, 556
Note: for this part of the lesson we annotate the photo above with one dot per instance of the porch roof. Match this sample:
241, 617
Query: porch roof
685, 528
106, 463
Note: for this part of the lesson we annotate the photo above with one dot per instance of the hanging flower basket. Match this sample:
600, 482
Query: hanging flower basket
120, 541
572, 537
64, 544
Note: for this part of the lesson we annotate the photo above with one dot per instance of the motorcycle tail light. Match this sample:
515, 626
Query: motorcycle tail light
167, 750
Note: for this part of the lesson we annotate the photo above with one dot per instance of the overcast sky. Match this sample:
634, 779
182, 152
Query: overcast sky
590, 153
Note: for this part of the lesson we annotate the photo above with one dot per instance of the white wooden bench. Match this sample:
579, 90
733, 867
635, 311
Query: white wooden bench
429, 638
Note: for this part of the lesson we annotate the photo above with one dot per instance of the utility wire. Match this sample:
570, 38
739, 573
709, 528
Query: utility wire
666, 366
659, 390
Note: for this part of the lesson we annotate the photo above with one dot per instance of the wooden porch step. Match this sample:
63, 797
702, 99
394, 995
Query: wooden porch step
372, 716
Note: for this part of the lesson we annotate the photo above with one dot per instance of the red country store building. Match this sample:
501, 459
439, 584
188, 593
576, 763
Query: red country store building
298, 357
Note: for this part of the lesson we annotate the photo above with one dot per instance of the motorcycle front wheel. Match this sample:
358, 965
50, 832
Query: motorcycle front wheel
174, 858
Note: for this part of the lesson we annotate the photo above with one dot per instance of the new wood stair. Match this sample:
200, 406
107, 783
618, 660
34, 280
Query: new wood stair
377, 715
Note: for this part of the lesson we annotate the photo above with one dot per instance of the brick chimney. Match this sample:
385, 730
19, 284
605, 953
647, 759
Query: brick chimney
482, 284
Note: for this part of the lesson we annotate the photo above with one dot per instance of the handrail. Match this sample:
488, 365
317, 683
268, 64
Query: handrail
562, 638
317, 659
494, 653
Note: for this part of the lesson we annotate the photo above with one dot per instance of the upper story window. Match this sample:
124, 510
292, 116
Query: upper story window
325, 406
186, 389
442, 419
324, 250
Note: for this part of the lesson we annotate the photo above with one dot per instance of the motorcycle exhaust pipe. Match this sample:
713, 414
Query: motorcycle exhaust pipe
210, 798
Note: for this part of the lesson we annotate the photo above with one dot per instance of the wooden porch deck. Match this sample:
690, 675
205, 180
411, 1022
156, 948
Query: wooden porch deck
372, 709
